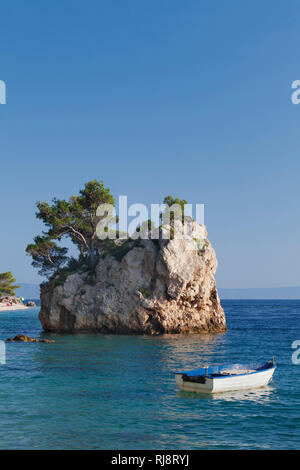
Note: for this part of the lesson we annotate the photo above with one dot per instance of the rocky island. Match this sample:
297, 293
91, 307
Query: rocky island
157, 279
153, 287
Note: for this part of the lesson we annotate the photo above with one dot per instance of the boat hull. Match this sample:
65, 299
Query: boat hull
225, 384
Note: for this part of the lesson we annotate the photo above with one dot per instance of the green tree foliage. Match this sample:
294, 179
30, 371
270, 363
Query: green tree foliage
7, 286
145, 230
171, 201
46, 255
76, 219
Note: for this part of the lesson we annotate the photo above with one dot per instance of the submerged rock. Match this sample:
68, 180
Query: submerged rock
28, 339
159, 286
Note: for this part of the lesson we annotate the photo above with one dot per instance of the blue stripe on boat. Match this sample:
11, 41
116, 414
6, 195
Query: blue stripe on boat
208, 371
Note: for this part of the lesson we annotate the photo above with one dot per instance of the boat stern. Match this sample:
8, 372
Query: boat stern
182, 382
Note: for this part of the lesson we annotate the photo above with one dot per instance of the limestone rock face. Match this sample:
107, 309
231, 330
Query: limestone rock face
160, 286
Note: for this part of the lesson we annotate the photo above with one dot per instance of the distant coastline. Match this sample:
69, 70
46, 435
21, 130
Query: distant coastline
271, 293
32, 291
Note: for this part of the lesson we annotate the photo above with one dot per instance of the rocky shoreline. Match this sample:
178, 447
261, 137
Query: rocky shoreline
14, 303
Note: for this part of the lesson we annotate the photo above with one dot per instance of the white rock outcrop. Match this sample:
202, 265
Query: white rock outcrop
159, 286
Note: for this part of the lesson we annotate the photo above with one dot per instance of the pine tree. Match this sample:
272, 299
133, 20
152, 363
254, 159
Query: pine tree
7, 286
76, 218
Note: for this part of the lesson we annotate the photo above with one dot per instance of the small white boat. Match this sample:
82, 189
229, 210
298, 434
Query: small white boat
227, 377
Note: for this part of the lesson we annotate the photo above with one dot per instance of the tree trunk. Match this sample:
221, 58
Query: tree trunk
92, 253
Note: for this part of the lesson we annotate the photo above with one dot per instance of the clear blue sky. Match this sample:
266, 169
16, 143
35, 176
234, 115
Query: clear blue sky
189, 98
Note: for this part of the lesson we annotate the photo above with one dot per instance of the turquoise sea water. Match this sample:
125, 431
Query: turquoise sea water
118, 392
